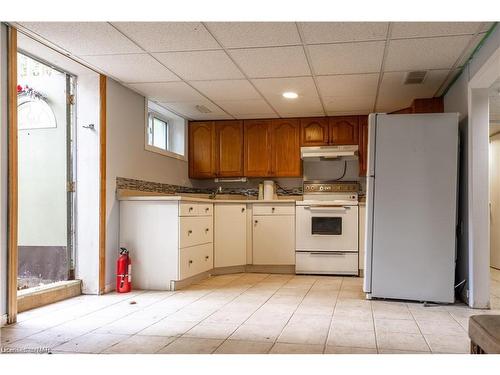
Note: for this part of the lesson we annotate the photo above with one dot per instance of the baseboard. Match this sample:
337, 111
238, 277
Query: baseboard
109, 288
278, 268
179, 284
228, 270
29, 299
3, 320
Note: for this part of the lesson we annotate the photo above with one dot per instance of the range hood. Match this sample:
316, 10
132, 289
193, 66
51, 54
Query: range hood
329, 152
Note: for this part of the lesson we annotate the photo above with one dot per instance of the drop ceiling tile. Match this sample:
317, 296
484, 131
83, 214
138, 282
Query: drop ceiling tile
486, 26
167, 91
348, 84
245, 107
132, 68
470, 49
168, 36
426, 53
238, 89
394, 95
188, 109
84, 38
334, 32
346, 58
308, 101
360, 104
427, 29
272, 62
200, 65
254, 34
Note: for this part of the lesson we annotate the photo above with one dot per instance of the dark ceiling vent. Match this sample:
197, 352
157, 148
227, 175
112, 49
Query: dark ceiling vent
203, 109
415, 77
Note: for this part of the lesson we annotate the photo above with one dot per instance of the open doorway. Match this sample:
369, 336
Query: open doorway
46, 250
494, 163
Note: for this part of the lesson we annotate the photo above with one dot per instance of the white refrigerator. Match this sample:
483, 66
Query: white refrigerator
410, 233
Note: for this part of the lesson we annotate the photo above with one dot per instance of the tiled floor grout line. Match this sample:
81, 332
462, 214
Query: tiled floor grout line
333, 313
78, 317
374, 326
419, 329
173, 312
291, 316
197, 324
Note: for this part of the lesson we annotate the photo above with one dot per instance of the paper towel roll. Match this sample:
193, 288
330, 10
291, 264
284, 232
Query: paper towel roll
268, 190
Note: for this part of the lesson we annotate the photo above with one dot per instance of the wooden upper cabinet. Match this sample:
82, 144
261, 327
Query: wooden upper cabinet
286, 148
314, 131
363, 145
344, 130
202, 149
257, 148
229, 148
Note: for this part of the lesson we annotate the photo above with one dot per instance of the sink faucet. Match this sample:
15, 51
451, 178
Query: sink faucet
214, 193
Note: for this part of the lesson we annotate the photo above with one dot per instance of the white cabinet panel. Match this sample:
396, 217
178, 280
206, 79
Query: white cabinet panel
188, 209
273, 239
273, 209
230, 240
324, 262
195, 230
194, 260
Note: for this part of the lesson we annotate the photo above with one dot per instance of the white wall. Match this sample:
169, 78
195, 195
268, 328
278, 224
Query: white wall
473, 254
127, 157
3, 171
87, 182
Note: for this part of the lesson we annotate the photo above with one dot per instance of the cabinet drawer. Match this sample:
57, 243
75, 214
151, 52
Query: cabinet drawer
205, 209
194, 260
195, 230
326, 263
188, 209
274, 209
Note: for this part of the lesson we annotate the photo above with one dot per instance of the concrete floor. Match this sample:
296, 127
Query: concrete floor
246, 313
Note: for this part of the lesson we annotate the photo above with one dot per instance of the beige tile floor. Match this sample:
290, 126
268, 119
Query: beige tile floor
247, 313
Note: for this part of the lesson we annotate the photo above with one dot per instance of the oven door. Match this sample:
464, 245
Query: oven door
327, 228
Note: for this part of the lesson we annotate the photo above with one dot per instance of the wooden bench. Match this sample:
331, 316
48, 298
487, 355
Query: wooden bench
484, 334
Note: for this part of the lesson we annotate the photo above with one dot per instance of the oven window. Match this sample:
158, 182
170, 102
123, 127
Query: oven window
326, 226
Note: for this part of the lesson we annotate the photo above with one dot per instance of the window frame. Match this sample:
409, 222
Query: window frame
155, 149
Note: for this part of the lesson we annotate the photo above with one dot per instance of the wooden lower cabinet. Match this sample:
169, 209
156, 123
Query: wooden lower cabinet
230, 239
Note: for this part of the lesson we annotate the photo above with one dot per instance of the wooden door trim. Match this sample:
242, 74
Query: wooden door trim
102, 182
12, 222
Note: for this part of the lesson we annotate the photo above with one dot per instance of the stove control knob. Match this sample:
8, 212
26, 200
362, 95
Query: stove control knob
321, 188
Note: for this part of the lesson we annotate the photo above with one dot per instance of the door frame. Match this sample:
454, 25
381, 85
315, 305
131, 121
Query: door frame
478, 181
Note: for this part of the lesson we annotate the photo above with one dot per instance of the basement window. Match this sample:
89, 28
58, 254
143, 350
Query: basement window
165, 132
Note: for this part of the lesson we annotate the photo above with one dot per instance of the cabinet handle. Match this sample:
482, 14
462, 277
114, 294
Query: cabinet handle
256, 221
206, 230
190, 261
207, 209
207, 257
272, 209
190, 209
190, 232
242, 210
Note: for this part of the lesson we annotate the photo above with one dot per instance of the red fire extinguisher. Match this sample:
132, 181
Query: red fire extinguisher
124, 272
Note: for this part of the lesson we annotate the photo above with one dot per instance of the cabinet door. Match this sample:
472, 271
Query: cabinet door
273, 240
285, 148
344, 130
229, 152
363, 145
257, 151
230, 239
314, 131
202, 149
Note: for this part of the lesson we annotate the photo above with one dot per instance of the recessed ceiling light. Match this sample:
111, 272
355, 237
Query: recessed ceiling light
290, 95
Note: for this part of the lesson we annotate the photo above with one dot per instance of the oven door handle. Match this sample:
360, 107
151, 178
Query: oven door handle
328, 208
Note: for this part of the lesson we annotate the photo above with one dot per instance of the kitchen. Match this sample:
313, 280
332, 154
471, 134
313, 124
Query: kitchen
259, 206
